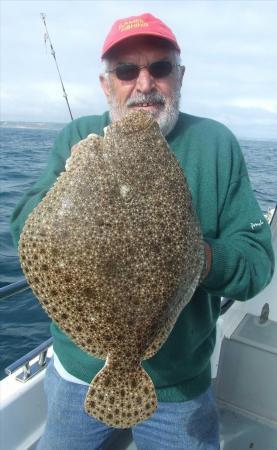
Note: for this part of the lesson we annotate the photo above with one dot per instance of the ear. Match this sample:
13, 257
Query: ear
105, 85
182, 73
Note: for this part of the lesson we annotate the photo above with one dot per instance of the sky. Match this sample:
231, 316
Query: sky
229, 49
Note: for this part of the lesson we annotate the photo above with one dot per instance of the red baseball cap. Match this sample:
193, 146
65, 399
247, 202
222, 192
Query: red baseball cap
145, 24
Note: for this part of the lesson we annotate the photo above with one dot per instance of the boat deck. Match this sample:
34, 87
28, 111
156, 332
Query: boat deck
240, 432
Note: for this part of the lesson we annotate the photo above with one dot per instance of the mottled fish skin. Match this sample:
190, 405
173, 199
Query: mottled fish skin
114, 252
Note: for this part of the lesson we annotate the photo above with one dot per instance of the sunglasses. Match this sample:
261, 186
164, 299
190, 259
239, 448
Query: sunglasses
130, 71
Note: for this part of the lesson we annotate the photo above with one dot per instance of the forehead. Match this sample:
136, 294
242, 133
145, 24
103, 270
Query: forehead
139, 48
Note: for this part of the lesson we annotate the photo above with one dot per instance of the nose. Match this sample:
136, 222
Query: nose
145, 82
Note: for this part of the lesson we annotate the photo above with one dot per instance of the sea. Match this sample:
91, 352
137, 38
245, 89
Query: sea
24, 151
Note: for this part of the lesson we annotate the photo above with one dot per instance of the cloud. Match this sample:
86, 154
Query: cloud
229, 49
256, 103
50, 102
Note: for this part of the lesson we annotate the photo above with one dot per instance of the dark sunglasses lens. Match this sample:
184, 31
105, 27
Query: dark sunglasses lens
127, 72
160, 69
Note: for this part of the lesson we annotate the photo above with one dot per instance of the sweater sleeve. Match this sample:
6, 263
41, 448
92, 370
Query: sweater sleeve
242, 254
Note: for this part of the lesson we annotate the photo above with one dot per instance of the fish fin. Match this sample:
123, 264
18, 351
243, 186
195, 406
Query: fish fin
121, 399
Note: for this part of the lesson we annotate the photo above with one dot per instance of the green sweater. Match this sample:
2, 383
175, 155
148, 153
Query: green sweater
232, 223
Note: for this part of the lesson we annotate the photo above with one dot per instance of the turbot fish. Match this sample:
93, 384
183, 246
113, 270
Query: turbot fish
114, 252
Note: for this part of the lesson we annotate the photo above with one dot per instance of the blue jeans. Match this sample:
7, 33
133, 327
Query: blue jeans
190, 425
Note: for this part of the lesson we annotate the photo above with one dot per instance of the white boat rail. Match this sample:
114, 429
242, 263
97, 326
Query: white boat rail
30, 370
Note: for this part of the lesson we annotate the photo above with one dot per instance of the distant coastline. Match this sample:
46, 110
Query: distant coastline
32, 125
57, 126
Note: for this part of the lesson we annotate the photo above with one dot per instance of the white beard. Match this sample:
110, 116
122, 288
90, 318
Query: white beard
166, 115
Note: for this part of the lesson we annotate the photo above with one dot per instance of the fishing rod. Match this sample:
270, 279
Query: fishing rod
47, 37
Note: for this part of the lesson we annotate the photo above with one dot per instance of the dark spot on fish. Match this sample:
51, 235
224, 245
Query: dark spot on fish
139, 400
64, 316
101, 397
78, 328
55, 251
146, 390
111, 267
65, 234
88, 292
107, 381
131, 322
110, 416
44, 267
67, 279
111, 400
133, 384
122, 393
114, 309
53, 292
89, 341
99, 222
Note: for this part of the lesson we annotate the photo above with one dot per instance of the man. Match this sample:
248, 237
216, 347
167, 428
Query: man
142, 69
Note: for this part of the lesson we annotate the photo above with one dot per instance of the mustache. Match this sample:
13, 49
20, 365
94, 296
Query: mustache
154, 98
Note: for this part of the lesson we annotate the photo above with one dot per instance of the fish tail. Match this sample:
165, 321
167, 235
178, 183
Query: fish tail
121, 399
